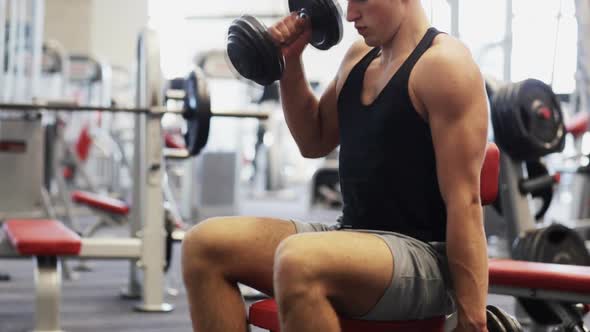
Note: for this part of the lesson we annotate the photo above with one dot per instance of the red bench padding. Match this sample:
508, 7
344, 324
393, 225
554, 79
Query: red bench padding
490, 169
42, 237
264, 315
578, 125
84, 143
554, 277
101, 202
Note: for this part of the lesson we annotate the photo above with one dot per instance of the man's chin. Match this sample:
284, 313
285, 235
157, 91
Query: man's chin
370, 42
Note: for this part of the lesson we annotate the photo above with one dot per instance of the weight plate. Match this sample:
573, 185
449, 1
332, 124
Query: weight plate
509, 323
326, 21
197, 112
554, 244
252, 52
527, 120
493, 322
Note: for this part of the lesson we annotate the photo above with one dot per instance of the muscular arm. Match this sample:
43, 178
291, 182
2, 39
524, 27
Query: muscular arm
451, 89
312, 122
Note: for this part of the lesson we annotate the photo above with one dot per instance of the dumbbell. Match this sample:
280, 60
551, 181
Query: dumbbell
255, 56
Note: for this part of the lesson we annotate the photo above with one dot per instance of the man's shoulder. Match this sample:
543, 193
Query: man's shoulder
448, 60
447, 52
447, 74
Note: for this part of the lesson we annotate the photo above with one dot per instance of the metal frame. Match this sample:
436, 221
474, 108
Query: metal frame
515, 205
540, 294
47, 294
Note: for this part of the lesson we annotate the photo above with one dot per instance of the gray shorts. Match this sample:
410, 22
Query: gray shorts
420, 287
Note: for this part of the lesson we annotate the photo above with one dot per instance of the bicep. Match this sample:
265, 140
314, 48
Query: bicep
328, 113
328, 103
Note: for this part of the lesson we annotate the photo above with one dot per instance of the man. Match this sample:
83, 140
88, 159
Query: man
409, 111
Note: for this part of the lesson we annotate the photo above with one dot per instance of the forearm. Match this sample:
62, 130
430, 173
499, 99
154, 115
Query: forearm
468, 263
300, 106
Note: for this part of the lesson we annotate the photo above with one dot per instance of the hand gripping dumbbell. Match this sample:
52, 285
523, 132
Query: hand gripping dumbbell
256, 57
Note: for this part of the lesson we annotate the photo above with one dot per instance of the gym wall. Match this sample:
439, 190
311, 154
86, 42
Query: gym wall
102, 28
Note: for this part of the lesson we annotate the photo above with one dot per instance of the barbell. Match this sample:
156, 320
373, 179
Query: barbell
254, 54
196, 110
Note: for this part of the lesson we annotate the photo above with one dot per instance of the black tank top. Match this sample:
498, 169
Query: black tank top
387, 164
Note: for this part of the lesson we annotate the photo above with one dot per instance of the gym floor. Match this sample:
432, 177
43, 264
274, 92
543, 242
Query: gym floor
91, 302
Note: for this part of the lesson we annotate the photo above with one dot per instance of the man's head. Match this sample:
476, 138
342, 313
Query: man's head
378, 20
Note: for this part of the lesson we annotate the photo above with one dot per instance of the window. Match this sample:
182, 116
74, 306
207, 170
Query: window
543, 39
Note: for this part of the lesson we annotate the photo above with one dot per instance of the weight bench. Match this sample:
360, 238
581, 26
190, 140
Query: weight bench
101, 202
508, 277
543, 281
46, 240
111, 209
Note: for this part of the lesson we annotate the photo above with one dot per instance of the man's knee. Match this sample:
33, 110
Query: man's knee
296, 270
203, 244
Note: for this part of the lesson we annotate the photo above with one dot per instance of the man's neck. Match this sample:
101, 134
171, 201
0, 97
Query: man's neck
409, 34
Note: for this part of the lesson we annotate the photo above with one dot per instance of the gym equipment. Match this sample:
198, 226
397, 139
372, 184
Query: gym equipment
527, 120
539, 183
145, 247
197, 109
254, 54
528, 124
46, 240
500, 321
554, 244
325, 188
197, 112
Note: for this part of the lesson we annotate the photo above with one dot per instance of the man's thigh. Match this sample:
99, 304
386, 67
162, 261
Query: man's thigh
377, 276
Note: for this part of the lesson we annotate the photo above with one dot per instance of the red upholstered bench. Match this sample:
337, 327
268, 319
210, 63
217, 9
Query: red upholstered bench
578, 125
101, 202
42, 237
264, 314
540, 280
45, 239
